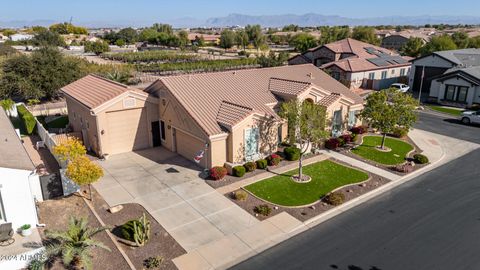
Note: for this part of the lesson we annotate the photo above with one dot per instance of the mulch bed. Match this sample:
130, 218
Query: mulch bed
229, 179
160, 243
305, 213
391, 168
55, 215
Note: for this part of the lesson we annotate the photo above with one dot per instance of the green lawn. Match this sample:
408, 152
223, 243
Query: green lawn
326, 176
451, 111
368, 150
60, 122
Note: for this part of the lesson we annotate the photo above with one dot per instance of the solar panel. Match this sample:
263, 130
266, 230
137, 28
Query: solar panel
378, 62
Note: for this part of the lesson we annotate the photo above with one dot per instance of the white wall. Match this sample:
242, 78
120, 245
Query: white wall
438, 89
17, 198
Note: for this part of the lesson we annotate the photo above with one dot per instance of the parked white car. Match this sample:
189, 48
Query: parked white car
401, 87
470, 117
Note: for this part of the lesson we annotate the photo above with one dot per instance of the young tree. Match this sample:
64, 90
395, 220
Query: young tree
365, 34
98, 47
242, 39
272, 60
83, 171
69, 150
460, 39
48, 38
413, 47
183, 38
74, 246
255, 35
306, 126
388, 109
227, 39
439, 43
303, 42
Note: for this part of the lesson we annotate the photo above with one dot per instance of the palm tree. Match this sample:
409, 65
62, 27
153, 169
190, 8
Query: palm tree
73, 246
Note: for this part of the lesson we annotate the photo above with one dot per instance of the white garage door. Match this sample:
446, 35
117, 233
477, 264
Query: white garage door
127, 130
188, 146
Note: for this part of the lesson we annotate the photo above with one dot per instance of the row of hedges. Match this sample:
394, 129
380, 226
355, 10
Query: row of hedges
151, 57
202, 66
27, 118
219, 172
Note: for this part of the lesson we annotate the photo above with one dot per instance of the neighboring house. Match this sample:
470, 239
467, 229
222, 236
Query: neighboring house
19, 183
357, 64
397, 40
212, 39
20, 37
448, 77
220, 117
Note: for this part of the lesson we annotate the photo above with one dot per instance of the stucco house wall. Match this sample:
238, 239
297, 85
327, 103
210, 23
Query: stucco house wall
428, 61
438, 90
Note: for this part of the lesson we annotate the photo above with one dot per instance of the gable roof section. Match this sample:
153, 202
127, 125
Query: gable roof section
464, 57
287, 87
329, 100
14, 155
202, 95
231, 114
93, 91
470, 74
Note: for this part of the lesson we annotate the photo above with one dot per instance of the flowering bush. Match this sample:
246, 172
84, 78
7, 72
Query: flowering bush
273, 159
358, 130
218, 172
347, 138
332, 143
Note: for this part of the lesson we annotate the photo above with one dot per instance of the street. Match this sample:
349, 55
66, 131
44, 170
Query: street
431, 222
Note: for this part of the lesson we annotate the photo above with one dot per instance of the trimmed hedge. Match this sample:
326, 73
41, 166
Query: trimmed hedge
218, 172
241, 195
250, 166
332, 143
420, 159
262, 164
238, 171
263, 209
27, 118
347, 138
292, 153
358, 130
273, 159
400, 132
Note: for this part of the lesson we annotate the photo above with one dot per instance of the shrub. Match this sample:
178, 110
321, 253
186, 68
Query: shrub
292, 153
238, 171
420, 159
137, 230
240, 195
400, 132
273, 159
347, 138
332, 143
27, 118
341, 142
218, 172
358, 130
334, 198
262, 164
404, 168
263, 209
250, 166
153, 262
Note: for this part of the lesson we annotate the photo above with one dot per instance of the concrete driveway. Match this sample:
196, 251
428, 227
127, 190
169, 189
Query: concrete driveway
169, 187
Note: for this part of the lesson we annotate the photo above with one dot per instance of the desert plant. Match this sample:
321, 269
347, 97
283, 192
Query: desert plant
218, 172
241, 195
400, 132
273, 159
347, 138
238, 171
292, 153
332, 143
137, 230
25, 227
7, 104
36, 264
404, 168
153, 262
74, 245
334, 198
263, 209
262, 164
420, 159
250, 166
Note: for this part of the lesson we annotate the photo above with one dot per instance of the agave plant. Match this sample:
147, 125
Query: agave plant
118, 76
74, 245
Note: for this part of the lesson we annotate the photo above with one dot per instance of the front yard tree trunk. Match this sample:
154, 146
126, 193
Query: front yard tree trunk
300, 168
90, 191
383, 140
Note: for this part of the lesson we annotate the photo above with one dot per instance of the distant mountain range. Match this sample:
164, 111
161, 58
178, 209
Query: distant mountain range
310, 19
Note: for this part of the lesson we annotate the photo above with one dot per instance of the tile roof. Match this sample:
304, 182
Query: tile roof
289, 87
329, 100
14, 155
353, 46
230, 113
203, 95
92, 90
355, 64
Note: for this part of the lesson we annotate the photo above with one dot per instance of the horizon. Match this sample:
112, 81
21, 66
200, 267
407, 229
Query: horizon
146, 12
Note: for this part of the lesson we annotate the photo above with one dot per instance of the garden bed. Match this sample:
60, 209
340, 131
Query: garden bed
304, 213
160, 243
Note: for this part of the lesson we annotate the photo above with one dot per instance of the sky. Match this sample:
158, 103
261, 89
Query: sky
146, 11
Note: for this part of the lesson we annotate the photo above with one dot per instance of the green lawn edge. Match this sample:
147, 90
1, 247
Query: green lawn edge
441, 109
398, 147
326, 177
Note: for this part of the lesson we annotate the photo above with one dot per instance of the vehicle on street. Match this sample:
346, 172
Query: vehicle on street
470, 117
401, 87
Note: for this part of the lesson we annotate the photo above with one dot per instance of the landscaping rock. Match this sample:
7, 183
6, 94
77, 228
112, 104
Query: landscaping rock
115, 209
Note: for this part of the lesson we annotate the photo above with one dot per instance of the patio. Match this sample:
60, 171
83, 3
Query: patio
18, 254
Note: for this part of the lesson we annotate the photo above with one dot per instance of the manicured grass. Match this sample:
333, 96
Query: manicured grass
326, 176
60, 122
369, 151
451, 111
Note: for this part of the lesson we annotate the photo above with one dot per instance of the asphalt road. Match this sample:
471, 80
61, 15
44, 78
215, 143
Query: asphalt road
431, 223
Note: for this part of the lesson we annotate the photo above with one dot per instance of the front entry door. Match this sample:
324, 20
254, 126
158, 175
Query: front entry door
156, 134
251, 143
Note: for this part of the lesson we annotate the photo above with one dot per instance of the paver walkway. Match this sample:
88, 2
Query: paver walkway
169, 187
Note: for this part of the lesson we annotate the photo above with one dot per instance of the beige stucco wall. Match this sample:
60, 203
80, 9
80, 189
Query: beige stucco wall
80, 118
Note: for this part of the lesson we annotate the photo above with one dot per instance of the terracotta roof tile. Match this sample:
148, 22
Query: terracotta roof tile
230, 114
329, 100
289, 87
